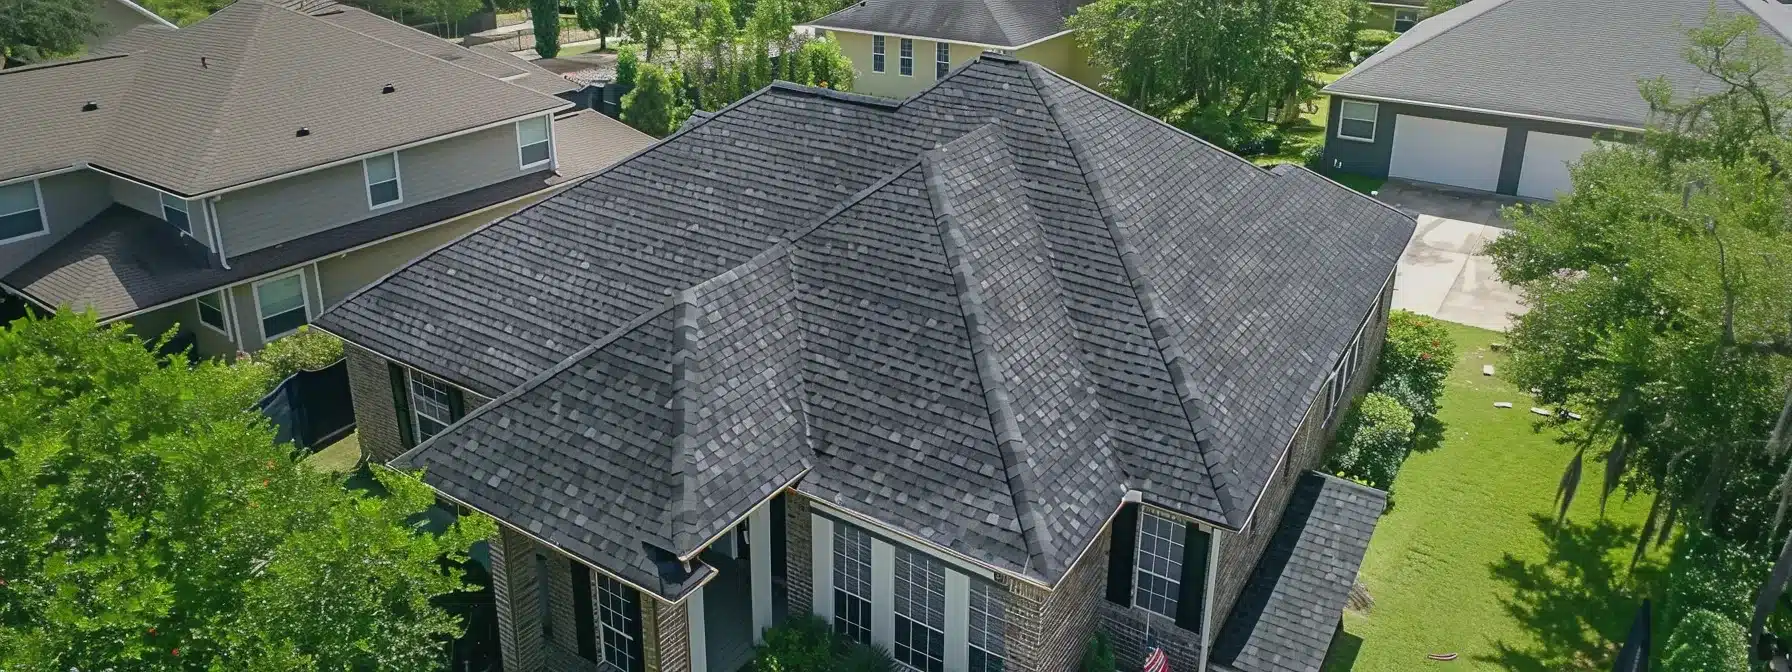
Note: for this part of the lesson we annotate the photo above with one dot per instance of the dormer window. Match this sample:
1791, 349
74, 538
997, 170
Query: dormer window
533, 142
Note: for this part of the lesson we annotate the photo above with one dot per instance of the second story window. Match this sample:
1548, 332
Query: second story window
852, 584
988, 629
907, 61
942, 59
877, 53
211, 311
430, 401
1159, 582
280, 305
175, 211
382, 181
920, 592
20, 214
532, 141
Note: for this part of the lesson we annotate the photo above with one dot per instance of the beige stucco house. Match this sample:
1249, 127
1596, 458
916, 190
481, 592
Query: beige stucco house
900, 48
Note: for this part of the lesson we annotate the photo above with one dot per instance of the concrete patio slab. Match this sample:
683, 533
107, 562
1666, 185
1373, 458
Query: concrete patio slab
1443, 272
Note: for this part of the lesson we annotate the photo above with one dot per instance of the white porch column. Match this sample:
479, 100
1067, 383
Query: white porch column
958, 622
821, 538
883, 594
759, 526
698, 638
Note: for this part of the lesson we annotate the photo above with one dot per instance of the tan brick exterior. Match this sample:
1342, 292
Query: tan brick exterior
514, 590
1048, 629
799, 579
376, 419
672, 634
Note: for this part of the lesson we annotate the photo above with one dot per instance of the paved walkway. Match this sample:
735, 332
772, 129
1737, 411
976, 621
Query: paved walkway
1443, 273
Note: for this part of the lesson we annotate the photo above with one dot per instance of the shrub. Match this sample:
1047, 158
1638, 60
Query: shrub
801, 644
628, 62
1708, 642
1707, 573
866, 658
1257, 139
1099, 656
1373, 442
648, 107
1313, 157
1371, 40
305, 350
1419, 353
828, 66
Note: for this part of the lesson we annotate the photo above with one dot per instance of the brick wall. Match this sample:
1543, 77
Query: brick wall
799, 580
514, 590
672, 635
1048, 629
376, 419
1239, 552
1128, 627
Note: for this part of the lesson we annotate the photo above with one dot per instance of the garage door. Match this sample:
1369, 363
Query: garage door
1447, 152
1546, 158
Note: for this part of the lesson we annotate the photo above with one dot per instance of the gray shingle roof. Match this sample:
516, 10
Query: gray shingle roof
1578, 60
218, 103
995, 23
1285, 619
986, 359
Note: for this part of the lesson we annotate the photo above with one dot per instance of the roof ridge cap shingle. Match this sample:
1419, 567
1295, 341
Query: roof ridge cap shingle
205, 157
1219, 469
682, 518
1011, 445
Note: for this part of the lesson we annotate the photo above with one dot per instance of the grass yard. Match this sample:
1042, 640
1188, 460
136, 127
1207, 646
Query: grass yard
1465, 563
1310, 132
339, 457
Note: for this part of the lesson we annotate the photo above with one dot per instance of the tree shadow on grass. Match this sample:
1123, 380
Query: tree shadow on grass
1577, 602
1345, 648
1428, 434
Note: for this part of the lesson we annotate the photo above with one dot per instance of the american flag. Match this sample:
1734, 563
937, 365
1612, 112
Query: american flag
1156, 661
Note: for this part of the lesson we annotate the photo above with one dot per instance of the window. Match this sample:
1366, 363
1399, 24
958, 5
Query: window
907, 59
382, 181
920, 611
877, 53
618, 613
1356, 120
942, 59
430, 405
532, 141
1338, 384
211, 311
20, 215
1159, 563
584, 625
852, 584
988, 629
280, 303
175, 211
1404, 19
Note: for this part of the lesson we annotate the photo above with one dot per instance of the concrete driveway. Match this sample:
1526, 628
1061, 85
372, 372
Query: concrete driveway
1443, 273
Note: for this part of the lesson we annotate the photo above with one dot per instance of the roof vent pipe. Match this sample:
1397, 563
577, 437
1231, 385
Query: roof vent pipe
90, 106
303, 132
389, 88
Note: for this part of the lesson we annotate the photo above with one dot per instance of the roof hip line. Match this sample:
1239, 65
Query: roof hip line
1012, 446
683, 407
1217, 461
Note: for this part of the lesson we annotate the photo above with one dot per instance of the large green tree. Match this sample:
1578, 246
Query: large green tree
601, 16
149, 521
656, 22
34, 30
545, 15
648, 106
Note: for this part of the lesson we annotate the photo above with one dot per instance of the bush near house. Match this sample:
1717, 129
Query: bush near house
1415, 360
1708, 642
1371, 40
305, 350
1099, 656
1374, 441
807, 644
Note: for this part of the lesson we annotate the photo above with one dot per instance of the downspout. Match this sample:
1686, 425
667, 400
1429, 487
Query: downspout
211, 215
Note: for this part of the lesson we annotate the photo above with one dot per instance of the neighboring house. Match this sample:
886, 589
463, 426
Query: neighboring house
1501, 95
1397, 15
902, 46
971, 375
237, 176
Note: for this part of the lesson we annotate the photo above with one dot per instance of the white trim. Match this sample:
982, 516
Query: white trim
759, 533
43, 216
821, 553
261, 320
39, 176
951, 558
880, 48
230, 310
1395, 5
1374, 120
365, 155
512, 78
211, 209
317, 275
397, 180
958, 621
983, 46
883, 593
547, 123
698, 631
222, 314
1478, 110
553, 145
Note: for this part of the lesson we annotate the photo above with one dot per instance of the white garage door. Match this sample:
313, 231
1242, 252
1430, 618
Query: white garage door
1546, 158
1447, 152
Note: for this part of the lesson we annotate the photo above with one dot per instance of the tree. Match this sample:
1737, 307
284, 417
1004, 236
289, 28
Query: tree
827, 65
602, 16
648, 106
545, 14
35, 30
1707, 642
628, 66
149, 521
654, 22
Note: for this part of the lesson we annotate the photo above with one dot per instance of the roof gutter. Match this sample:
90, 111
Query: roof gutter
39, 176
938, 39
1464, 108
387, 150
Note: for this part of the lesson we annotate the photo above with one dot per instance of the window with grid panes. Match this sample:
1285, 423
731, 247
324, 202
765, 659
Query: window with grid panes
906, 59
852, 584
877, 53
920, 611
988, 629
429, 403
1159, 563
942, 59
613, 615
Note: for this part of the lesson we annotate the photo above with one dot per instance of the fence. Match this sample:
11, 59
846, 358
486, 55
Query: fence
311, 408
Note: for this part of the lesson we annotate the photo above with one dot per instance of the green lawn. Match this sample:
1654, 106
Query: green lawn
1465, 563
339, 457
1296, 138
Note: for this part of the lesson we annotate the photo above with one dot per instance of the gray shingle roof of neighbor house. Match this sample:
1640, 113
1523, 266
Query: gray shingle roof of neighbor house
123, 261
994, 23
981, 315
1575, 60
1285, 619
219, 103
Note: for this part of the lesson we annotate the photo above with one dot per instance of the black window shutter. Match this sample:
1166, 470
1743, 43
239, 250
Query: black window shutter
1190, 602
401, 400
1120, 554
457, 404
636, 655
583, 614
